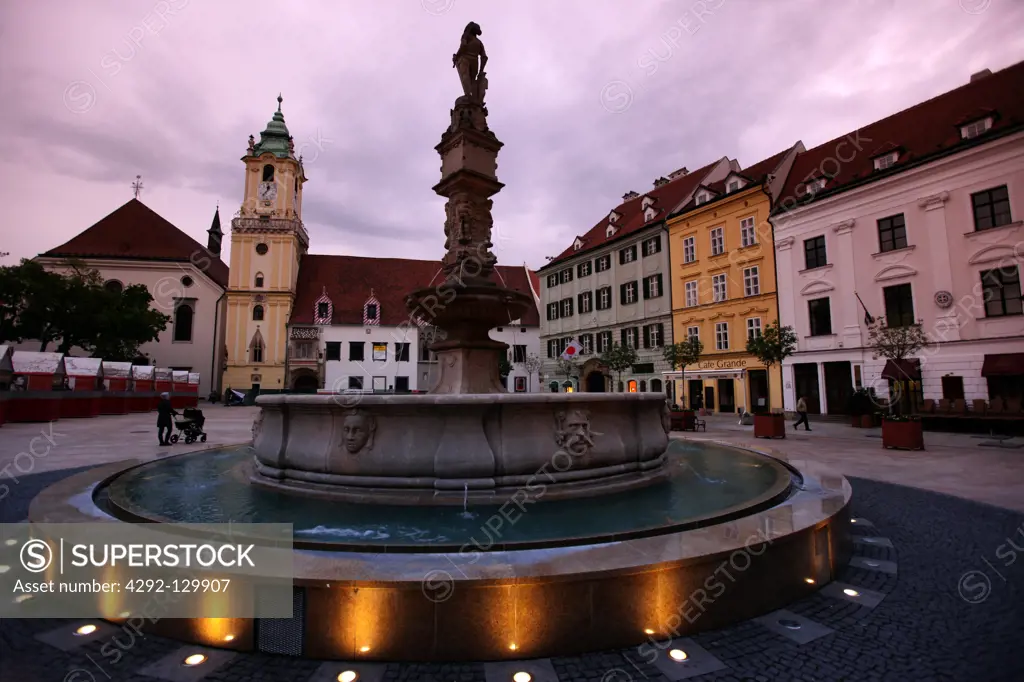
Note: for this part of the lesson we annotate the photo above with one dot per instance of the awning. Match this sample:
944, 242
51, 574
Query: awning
901, 370
1003, 364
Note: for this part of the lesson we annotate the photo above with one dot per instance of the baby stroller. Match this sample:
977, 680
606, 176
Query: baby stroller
190, 425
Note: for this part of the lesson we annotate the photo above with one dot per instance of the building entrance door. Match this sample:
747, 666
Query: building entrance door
838, 386
709, 398
805, 376
759, 398
696, 394
595, 382
726, 396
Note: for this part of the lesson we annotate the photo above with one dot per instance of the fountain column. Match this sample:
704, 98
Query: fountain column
469, 303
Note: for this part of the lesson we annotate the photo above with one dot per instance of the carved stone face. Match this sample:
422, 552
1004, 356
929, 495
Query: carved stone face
574, 432
357, 430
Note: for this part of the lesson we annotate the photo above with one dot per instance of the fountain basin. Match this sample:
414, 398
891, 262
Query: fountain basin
451, 449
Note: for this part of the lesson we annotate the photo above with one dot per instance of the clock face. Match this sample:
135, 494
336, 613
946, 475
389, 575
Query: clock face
267, 191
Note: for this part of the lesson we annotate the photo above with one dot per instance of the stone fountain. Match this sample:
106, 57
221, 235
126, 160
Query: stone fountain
468, 438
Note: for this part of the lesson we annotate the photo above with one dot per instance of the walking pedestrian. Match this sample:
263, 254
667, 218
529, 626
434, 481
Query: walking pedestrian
164, 411
801, 410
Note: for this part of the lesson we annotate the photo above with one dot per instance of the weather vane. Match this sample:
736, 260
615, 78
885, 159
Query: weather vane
137, 185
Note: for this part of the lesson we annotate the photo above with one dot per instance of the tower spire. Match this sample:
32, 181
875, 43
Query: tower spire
216, 236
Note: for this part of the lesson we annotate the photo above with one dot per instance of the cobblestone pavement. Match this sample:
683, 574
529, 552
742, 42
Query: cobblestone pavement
946, 570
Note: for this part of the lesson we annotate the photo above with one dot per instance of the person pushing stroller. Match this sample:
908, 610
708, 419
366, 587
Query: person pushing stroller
164, 423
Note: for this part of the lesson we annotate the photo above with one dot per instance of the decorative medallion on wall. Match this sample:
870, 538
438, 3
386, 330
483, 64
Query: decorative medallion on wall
943, 299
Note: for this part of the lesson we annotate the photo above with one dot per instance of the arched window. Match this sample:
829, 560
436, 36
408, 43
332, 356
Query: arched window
643, 386
183, 315
553, 386
632, 385
268, 173
655, 385
620, 387
113, 286
256, 348
257, 312
258, 282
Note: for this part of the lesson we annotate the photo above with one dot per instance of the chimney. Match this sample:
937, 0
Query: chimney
678, 174
629, 195
661, 181
981, 74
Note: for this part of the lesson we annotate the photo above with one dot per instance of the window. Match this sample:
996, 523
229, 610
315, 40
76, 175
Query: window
953, 388
586, 302
355, 383
587, 342
370, 312
380, 351
323, 310
113, 286
258, 281
899, 305
584, 269
187, 281
733, 186
401, 352
553, 311
552, 280
603, 263
814, 252
653, 335
692, 333
380, 384
553, 351
565, 276
814, 185
976, 128
991, 208
262, 249
355, 351
751, 281
402, 384
629, 337
1001, 291
701, 198
820, 312
627, 255
303, 350
604, 341
425, 354
748, 236
652, 286
257, 312
520, 386
718, 291
334, 351
566, 307
689, 249
628, 293
183, 315
652, 246
721, 336
892, 233
604, 298
553, 387
256, 350
691, 293
717, 241
753, 327
519, 353
268, 173
655, 385
885, 161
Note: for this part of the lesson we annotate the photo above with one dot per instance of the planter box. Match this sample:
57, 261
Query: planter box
867, 421
683, 420
855, 421
769, 426
902, 435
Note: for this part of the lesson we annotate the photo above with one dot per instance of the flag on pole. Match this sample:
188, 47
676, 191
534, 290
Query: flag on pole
572, 350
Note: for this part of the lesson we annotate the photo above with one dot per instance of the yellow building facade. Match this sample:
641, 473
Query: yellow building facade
723, 288
268, 241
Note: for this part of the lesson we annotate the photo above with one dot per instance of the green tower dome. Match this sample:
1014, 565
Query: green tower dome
275, 138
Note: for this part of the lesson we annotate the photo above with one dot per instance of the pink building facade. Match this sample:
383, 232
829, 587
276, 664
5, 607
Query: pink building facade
889, 227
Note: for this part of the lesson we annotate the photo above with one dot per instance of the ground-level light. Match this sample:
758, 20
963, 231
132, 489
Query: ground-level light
677, 655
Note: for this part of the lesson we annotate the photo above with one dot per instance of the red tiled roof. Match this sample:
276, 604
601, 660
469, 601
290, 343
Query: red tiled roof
349, 280
137, 232
666, 198
920, 132
755, 175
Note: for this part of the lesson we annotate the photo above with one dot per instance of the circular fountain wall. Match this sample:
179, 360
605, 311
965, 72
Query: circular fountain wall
443, 449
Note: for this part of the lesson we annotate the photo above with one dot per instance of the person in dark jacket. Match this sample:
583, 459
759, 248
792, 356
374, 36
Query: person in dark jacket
164, 412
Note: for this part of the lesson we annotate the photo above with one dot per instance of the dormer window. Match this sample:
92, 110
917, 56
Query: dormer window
813, 186
647, 201
733, 186
702, 198
975, 128
886, 160
323, 309
613, 216
371, 310
649, 214
577, 245
610, 232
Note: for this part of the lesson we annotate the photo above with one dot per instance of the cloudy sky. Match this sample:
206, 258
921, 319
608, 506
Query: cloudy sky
592, 98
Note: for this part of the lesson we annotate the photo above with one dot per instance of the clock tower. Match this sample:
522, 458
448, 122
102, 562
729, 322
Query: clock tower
268, 241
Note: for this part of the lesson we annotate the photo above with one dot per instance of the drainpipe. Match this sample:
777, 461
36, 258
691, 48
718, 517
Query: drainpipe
215, 376
778, 309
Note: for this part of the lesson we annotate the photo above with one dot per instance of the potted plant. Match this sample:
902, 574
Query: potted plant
898, 344
771, 347
680, 355
860, 407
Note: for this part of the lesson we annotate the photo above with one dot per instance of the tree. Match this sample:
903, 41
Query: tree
125, 322
895, 343
618, 358
568, 368
504, 366
533, 364
772, 346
